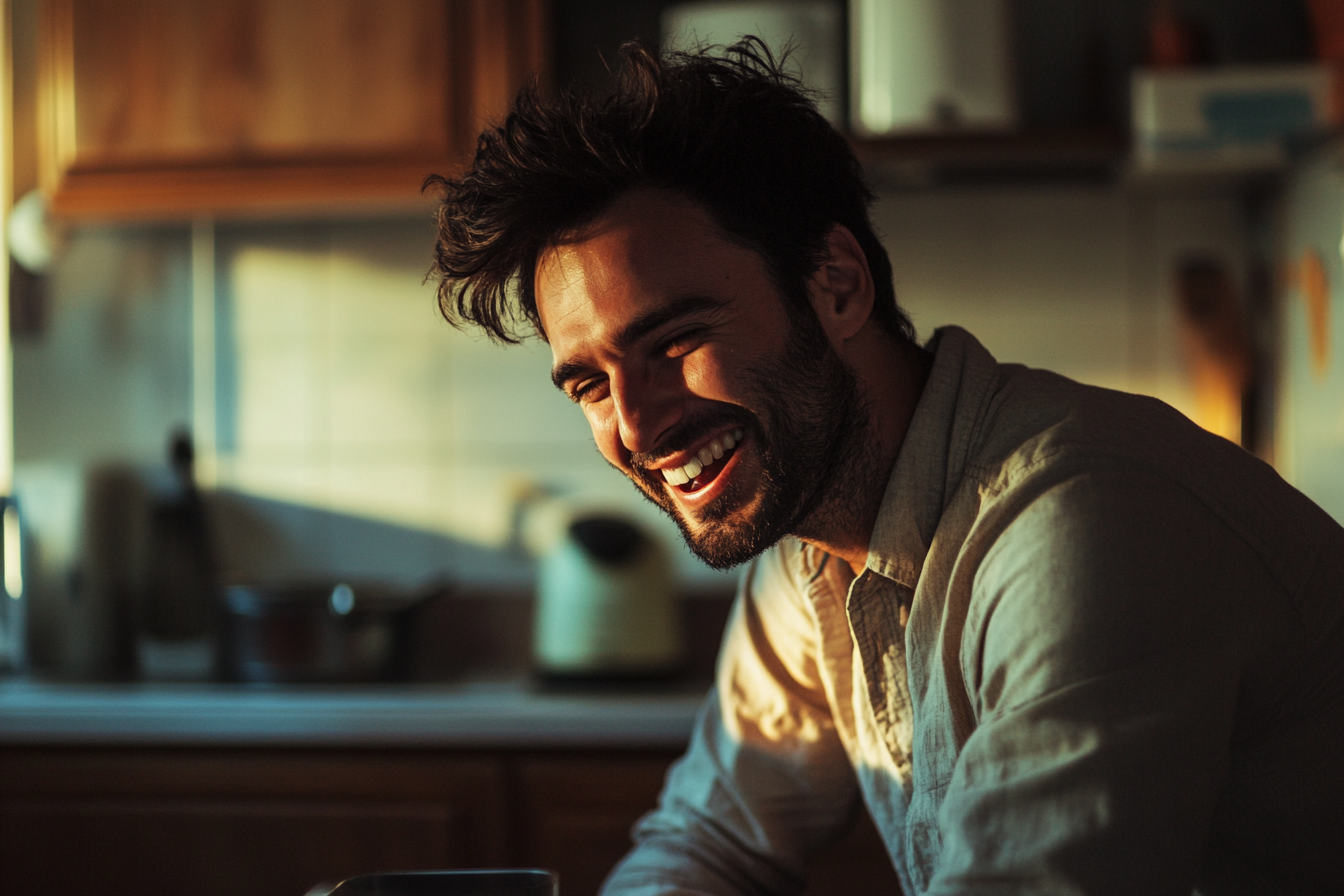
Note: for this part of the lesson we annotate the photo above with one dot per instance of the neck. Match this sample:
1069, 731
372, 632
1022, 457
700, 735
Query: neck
891, 378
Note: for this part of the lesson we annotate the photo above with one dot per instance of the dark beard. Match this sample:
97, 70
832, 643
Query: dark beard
815, 436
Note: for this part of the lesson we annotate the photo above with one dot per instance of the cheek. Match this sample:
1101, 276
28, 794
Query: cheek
709, 374
606, 433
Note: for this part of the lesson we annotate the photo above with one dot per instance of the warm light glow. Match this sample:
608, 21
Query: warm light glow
1217, 398
1316, 293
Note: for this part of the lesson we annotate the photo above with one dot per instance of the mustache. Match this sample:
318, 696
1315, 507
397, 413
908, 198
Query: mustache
690, 431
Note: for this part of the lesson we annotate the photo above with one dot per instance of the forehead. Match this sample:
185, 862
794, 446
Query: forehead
650, 248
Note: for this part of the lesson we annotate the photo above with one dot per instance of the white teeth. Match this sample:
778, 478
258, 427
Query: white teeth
704, 457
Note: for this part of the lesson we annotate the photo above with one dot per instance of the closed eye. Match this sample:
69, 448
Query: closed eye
682, 343
589, 390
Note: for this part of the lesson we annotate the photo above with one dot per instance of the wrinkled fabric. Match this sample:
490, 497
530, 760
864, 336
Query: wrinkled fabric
1094, 650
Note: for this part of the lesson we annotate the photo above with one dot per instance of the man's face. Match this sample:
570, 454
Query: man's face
696, 382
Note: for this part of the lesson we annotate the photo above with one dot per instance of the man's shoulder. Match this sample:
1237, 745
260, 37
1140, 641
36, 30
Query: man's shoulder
1036, 418
1042, 431
1040, 427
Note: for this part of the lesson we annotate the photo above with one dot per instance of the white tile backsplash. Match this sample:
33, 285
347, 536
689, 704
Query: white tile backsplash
354, 397
340, 390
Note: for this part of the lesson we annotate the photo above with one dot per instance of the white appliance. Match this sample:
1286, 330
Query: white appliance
811, 28
920, 66
606, 603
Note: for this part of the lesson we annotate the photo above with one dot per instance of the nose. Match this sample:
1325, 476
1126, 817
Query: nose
646, 405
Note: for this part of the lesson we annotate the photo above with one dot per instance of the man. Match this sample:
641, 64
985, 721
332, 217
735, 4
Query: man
1054, 638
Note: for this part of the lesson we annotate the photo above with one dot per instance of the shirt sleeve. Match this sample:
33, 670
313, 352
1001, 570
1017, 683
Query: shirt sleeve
765, 781
1102, 655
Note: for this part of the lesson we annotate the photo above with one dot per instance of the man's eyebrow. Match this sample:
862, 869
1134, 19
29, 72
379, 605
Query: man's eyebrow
638, 328
563, 373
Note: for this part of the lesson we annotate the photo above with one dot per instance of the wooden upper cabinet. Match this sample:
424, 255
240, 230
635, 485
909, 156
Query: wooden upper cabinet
164, 108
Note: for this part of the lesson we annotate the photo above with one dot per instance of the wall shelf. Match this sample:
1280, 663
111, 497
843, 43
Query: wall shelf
1029, 156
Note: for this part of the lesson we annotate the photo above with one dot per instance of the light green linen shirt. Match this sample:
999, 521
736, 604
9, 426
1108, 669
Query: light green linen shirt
1094, 650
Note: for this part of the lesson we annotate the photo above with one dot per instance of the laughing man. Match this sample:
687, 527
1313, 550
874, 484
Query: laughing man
1055, 639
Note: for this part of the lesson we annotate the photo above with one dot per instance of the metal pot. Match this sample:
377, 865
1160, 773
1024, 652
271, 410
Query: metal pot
317, 632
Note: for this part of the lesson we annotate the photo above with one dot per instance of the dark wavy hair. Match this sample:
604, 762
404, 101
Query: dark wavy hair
731, 131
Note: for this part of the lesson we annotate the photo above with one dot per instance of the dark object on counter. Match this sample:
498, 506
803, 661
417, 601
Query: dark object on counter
104, 587
528, 882
180, 591
179, 607
318, 632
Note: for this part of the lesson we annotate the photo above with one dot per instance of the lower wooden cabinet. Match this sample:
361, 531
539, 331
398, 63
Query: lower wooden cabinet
575, 812
237, 822
252, 822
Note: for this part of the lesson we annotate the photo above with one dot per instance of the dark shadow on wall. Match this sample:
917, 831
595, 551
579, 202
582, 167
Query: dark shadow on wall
264, 538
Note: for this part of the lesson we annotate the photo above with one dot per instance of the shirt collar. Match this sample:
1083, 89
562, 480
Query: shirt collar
932, 460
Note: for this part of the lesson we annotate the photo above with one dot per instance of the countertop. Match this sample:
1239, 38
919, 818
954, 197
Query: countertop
499, 713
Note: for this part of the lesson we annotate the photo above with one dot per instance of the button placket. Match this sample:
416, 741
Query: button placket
877, 616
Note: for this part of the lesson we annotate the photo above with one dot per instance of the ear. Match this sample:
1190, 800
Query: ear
842, 288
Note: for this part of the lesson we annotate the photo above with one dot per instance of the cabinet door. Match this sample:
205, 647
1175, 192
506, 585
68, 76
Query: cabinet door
159, 107
171, 822
215, 846
575, 812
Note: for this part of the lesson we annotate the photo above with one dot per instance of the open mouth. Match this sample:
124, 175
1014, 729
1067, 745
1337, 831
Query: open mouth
705, 467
